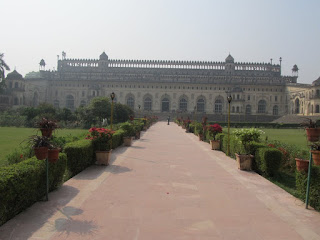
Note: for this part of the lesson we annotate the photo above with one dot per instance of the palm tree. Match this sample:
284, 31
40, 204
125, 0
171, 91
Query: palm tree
3, 67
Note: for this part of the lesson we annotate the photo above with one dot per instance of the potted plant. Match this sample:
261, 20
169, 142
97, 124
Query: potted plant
101, 139
46, 126
40, 146
315, 152
312, 130
302, 165
53, 151
199, 130
245, 136
214, 129
129, 132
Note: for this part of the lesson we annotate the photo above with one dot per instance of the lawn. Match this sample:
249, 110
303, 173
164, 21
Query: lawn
11, 137
290, 136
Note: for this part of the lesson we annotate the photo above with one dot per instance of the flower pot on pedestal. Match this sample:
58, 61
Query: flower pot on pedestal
41, 153
53, 155
244, 161
103, 157
127, 141
302, 165
215, 144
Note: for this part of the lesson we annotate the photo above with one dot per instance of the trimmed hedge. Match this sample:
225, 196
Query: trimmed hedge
117, 138
301, 184
80, 156
24, 183
258, 124
268, 161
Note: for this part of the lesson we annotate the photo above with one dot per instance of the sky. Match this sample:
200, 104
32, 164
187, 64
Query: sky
194, 30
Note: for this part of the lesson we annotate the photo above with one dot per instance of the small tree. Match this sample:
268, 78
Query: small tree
3, 67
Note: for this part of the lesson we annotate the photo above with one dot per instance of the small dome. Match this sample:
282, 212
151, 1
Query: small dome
295, 68
103, 56
42, 62
14, 76
229, 59
316, 82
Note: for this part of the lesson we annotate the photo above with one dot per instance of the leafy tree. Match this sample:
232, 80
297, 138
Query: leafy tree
100, 108
121, 112
3, 67
66, 114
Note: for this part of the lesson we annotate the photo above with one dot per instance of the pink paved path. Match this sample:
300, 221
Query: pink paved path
168, 185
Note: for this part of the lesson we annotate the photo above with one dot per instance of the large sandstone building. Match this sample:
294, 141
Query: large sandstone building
259, 91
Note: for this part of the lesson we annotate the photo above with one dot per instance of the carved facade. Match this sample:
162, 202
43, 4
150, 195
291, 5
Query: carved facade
169, 86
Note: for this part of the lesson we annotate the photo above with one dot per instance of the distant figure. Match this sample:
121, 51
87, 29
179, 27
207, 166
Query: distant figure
168, 120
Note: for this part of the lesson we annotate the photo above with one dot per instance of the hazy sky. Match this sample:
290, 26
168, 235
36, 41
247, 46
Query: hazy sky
204, 30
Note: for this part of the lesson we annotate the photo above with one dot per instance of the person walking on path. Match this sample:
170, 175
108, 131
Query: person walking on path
168, 120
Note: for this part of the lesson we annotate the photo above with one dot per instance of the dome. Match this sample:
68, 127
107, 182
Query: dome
14, 76
103, 56
316, 82
295, 68
229, 59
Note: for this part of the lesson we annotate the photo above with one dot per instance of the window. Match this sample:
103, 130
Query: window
276, 98
56, 103
275, 110
218, 106
183, 104
200, 105
82, 103
70, 102
130, 102
248, 109
262, 106
147, 104
248, 97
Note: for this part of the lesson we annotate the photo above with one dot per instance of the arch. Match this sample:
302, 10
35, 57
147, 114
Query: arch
297, 106
130, 101
201, 103
183, 103
35, 100
83, 103
56, 103
70, 102
262, 106
165, 104
275, 110
16, 101
218, 105
248, 109
147, 102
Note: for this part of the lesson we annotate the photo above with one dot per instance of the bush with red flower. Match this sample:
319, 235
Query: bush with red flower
214, 129
101, 138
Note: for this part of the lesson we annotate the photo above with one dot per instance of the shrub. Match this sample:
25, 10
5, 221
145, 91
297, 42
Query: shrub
24, 183
117, 138
301, 184
80, 156
128, 129
268, 161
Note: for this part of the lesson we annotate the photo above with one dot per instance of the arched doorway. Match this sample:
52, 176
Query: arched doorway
297, 106
165, 105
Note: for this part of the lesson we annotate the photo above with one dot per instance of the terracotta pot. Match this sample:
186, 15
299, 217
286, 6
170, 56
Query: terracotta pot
127, 141
41, 153
53, 155
313, 134
215, 144
244, 161
103, 157
302, 165
46, 132
316, 157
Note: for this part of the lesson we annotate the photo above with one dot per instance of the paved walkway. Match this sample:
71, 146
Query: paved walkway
168, 185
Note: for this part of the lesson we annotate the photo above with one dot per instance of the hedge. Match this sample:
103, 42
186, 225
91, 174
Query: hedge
258, 124
80, 156
24, 183
117, 138
268, 161
301, 185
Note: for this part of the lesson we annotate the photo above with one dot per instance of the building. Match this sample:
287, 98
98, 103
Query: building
259, 91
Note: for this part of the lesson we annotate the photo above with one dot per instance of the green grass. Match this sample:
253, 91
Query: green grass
12, 137
289, 136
